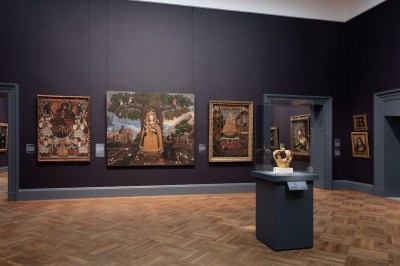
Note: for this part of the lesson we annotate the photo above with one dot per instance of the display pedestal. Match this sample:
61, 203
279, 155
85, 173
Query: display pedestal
284, 218
279, 170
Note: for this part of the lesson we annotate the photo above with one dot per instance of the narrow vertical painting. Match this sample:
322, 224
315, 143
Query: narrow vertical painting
63, 128
300, 135
3, 137
274, 138
150, 129
230, 131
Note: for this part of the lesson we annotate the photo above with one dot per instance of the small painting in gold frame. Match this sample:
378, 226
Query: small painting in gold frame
230, 135
360, 122
359, 144
3, 137
63, 128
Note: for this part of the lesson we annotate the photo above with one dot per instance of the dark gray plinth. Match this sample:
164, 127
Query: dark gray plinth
284, 219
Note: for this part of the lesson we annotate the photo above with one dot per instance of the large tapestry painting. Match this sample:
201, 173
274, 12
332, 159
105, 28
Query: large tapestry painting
230, 131
63, 128
150, 129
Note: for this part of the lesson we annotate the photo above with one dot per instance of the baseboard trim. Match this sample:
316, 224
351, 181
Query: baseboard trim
132, 191
3, 169
354, 186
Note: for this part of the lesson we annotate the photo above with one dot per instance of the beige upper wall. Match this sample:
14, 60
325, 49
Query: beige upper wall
332, 10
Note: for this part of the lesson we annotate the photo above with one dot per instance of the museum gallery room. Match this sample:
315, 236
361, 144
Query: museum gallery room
173, 132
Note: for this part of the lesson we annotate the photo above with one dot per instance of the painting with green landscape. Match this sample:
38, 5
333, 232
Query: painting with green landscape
150, 128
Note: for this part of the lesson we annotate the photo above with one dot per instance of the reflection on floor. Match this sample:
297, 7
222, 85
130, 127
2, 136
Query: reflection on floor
3, 186
349, 228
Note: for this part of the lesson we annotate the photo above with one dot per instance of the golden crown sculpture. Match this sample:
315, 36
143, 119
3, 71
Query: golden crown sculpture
285, 162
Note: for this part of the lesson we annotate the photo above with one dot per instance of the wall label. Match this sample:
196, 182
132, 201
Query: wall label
100, 150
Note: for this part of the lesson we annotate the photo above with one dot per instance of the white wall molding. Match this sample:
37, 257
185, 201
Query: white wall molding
331, 10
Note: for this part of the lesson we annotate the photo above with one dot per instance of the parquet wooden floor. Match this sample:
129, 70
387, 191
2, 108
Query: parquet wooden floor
3, 186
350, 228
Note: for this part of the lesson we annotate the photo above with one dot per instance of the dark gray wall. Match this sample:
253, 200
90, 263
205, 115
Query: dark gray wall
85, 47
373, 64
3, 119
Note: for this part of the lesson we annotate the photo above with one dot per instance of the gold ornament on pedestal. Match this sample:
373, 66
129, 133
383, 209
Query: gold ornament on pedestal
286, 160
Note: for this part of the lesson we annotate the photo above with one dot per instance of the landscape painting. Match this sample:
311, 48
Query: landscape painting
230, 131
63, 128
150, 128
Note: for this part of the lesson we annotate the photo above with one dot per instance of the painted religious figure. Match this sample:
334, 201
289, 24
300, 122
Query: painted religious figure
360, 122
300, 135
3, 137
230, 131
151, 136
150, 129
63, 128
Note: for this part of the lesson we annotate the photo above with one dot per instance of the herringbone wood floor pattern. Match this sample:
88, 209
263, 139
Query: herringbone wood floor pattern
3, 186
349, 229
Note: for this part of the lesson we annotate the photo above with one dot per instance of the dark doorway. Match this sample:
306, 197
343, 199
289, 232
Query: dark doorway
391, 156
3, 146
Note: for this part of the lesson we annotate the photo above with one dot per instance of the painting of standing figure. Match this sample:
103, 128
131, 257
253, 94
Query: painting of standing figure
150, 129
63, 128
230, 131
300, 137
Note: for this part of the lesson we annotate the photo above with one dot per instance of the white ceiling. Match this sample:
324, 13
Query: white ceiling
332, 10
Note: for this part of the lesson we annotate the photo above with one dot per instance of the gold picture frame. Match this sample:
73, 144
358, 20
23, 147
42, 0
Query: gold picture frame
63, 128
360, 122
230, 137
3, 137
360, 145
300, 135
274, 137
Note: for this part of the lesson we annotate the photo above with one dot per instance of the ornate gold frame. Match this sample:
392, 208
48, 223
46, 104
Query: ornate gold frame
245, 104
39, 159
364, 119
362, 136
6, 128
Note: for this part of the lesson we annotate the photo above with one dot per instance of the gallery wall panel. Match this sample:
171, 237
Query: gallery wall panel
150, 47
86, 47
373, 42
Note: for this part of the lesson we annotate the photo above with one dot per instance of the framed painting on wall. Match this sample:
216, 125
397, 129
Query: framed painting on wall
3, 137
150, 129
63, 128
300, 137
274, 137
359, 143
230, 137
360, 122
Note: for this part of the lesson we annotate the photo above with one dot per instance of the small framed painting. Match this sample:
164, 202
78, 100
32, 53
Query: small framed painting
3, 137
63, 128
300, 137
274, 137
359, 143
230, 136
360, 122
